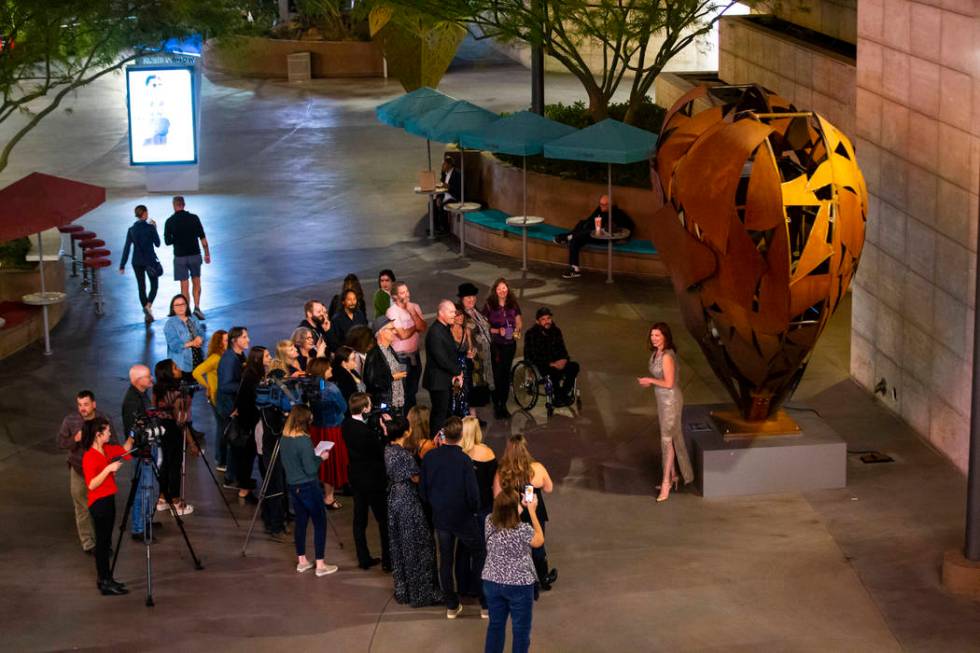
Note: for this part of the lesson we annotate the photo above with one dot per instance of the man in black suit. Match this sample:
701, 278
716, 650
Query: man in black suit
448, 485
450, 178
441, 365
368, 480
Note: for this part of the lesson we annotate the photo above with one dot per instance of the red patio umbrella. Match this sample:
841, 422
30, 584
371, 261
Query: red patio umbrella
39, 202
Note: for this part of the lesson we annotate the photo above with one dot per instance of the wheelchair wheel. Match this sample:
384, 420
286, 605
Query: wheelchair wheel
524, 382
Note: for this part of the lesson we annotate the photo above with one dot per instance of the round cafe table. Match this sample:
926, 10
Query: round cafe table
44, 299
459, 209
524, 221
618, 234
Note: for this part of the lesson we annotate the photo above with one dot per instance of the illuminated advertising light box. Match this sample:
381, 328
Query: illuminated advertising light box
160, 102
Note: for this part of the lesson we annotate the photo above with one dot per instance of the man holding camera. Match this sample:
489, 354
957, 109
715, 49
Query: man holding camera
448, 484
368, 479
544, 346
70, 438
135, 405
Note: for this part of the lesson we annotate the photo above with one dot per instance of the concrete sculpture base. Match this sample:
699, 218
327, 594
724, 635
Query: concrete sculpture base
813, 458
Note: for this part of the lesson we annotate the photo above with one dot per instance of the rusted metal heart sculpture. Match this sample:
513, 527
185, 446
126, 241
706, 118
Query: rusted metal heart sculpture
762, 229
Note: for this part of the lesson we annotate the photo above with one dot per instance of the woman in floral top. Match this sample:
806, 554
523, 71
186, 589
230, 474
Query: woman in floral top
508, 573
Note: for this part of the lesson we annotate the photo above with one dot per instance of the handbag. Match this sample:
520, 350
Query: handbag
155, 270
234, 434
197, 354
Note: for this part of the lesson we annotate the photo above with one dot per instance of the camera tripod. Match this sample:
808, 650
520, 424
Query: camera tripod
148, 512
183, 472
265, 488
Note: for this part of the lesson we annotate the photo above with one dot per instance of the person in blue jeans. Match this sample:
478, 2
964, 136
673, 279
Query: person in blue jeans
508, 573
302, 464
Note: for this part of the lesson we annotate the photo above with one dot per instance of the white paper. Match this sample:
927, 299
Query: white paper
326, 445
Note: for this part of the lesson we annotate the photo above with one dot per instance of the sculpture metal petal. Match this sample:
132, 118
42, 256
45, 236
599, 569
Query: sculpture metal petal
762, 230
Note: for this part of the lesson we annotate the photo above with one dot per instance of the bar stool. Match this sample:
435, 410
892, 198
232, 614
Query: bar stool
68, 230
94, 261
86, 245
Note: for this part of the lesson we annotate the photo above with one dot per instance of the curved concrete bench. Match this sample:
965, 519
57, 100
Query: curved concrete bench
488, 230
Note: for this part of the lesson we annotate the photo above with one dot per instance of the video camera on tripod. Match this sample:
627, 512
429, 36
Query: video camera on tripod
282, 394
146, 431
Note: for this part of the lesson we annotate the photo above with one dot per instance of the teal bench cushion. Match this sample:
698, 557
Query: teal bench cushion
497, 220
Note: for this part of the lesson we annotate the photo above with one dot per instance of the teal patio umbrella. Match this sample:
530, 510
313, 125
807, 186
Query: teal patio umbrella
446, 124
412, 105
609, 142
523, 133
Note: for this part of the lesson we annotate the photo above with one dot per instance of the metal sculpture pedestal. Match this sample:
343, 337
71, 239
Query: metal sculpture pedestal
812, 458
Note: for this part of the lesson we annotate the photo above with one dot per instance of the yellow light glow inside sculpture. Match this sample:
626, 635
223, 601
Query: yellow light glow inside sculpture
762, 229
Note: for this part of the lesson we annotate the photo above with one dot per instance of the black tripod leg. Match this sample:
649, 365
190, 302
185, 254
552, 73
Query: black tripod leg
217, 486
265, 488
173, 511
129, 506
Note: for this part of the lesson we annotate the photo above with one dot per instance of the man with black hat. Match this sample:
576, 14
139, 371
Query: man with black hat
441, 364
383, 373
544, 346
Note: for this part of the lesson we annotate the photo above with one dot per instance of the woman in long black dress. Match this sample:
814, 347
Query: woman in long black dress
485, 466
413, 553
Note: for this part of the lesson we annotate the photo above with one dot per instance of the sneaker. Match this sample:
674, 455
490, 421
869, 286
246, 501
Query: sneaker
185, 509
452, 614
484, 613
279, 537
148, 313
221, 467
572, 273
306, 566
326, 570
198, 313
161, 506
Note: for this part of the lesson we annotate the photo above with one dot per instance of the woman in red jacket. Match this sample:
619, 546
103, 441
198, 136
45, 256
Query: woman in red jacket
100, 471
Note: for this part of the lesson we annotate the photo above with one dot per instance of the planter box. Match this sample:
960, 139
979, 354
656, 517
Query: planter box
561, 202
268, 58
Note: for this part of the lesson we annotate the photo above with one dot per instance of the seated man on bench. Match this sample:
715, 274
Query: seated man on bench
585, 231
544, 346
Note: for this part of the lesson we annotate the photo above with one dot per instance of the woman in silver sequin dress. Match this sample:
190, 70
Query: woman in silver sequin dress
665, 380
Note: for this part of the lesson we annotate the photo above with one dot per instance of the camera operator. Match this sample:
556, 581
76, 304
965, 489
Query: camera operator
70, 438
100, 470
274, 508
368, 479
173, 410
135, 405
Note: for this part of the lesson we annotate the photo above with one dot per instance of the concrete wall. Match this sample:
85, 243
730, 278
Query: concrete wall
266, 58
808, 76
837, 18
918, 142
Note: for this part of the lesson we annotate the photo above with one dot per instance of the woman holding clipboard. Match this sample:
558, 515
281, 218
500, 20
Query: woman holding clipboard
302, 464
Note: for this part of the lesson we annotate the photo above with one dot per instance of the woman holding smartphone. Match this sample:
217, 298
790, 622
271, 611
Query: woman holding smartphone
518, 470
99, 470
508, 574
302, 465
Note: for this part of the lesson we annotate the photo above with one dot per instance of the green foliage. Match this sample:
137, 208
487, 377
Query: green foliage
568, 30
13, 254
649, 117
63, 45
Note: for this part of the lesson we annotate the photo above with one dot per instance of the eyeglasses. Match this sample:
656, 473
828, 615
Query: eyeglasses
180, 304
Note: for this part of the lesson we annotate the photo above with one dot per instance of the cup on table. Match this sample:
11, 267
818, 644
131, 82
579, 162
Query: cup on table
598, 225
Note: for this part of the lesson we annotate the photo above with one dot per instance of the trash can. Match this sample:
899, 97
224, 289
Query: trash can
298, 67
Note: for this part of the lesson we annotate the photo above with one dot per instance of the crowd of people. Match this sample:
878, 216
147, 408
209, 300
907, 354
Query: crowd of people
454, 521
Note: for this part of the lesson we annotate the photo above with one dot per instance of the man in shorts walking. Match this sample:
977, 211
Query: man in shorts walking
183, 230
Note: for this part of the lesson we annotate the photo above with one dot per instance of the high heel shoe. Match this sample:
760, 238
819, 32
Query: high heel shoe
672, 485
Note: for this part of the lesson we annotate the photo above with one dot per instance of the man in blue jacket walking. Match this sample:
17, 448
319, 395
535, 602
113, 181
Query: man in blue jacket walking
143, 238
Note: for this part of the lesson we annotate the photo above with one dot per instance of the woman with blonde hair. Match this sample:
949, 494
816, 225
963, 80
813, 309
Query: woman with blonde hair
302, 463
485, 467
287, 359
516, 470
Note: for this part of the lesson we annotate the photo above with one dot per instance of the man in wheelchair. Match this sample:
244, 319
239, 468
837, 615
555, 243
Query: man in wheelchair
544, 347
